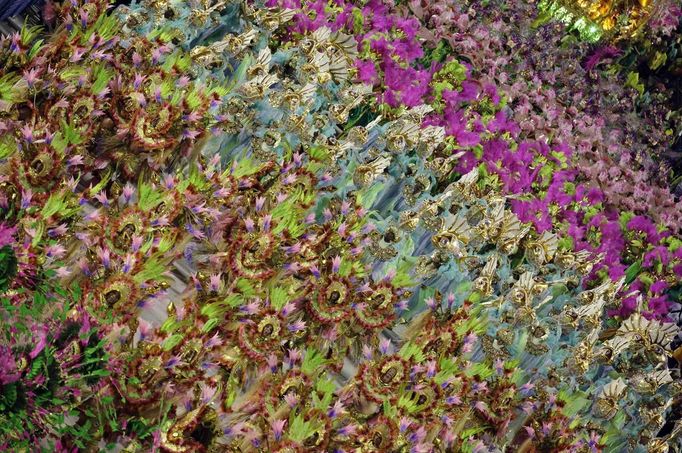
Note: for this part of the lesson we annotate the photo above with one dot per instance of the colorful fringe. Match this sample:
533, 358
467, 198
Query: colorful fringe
334, 227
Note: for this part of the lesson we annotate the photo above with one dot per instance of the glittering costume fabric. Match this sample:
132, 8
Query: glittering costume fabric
331, 227
10, 8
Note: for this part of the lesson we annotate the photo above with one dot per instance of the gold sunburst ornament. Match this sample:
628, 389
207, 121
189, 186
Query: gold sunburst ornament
605, 19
